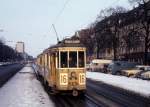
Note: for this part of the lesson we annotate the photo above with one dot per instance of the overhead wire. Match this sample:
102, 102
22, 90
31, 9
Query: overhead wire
63, 8
58, 16
61, 11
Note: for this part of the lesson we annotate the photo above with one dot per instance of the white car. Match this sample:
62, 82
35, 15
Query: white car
136, 71
87, 67
130, 72
145, 75
99, 65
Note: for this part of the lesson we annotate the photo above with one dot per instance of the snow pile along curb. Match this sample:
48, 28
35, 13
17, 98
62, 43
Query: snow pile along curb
135, 85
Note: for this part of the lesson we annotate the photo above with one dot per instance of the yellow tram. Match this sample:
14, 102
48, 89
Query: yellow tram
62, 67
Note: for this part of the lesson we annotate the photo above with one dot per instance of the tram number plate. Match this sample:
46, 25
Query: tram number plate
82, 78
63, 79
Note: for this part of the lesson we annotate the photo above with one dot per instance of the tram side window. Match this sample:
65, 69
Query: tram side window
81, 59
64, 56
73, 59
40, 60
57, 59
47, 59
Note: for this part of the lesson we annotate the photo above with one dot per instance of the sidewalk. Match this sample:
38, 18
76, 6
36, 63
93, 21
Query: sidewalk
24, 90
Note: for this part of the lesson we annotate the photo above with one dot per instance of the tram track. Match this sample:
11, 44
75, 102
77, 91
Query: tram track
95, 102
99, 94
80, 101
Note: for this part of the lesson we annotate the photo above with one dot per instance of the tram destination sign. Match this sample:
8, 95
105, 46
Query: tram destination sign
72, 41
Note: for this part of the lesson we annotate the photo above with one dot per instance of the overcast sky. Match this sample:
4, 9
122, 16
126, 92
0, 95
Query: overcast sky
30, 20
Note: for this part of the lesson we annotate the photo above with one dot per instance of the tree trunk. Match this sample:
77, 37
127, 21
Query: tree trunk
145, 54
97, 52
146, 46
115, 53
147, 26
115, 44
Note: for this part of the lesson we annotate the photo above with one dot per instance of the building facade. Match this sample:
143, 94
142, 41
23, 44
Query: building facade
20, 48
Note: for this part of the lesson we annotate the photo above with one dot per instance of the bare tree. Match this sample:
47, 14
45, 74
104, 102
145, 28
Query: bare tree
145, 21
107, 29
135, 2
116, 14
7, 53
132, 39
1, 42
103, 40
85, 36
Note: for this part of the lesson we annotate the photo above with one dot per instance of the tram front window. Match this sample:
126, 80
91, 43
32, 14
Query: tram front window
81, 59
64, 62
72, 59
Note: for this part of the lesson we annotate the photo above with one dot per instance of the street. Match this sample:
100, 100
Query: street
101, 95
30, 93
7, 71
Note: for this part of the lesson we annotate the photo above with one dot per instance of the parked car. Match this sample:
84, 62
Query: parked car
116, 67
99, 65
132, 71
87, 67
145, 74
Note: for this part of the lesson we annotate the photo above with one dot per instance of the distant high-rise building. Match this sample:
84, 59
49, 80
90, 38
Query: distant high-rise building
20, 47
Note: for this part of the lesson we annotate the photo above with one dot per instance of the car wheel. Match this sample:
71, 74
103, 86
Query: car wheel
118, 73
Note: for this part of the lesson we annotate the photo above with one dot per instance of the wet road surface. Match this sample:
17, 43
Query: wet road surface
7, 71
101, 95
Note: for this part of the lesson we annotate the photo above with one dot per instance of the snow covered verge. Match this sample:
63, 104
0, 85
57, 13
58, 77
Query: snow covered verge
135, 85
24, 90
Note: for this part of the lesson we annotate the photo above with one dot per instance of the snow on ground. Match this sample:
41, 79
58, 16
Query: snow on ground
23, 90
133, 84
1, 63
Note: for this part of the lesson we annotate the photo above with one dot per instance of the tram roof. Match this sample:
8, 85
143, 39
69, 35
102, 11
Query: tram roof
68, 43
